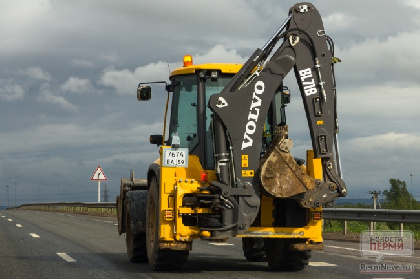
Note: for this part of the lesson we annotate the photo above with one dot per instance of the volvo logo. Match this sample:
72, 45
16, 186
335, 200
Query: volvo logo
254, 112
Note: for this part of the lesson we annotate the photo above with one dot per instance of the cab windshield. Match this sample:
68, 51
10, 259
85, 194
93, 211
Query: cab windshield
185, 110
183, 121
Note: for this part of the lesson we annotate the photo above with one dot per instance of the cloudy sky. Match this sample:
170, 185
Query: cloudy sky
69, 72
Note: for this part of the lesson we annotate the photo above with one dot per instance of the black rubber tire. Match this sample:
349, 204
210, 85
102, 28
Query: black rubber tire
279, 256
136, 243
253, 248
159, 259
121, 223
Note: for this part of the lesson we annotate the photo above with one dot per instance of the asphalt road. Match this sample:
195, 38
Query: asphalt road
55, 245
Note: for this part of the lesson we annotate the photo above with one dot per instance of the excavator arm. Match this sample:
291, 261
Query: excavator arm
239, 115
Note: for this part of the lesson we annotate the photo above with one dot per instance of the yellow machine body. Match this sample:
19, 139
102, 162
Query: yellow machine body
178, 181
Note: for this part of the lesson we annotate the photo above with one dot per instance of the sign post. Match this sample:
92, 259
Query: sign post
99, 175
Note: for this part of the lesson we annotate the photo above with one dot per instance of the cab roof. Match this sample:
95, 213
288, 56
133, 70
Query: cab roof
225, 68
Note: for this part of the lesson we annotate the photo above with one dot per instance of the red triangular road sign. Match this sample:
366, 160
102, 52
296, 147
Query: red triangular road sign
98, 174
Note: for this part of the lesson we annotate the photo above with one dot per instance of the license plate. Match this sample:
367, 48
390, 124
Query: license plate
175, 157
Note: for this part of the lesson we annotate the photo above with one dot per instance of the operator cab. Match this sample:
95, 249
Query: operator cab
190, 120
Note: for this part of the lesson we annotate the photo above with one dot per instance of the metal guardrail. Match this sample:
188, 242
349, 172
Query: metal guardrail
372, 215
103, 208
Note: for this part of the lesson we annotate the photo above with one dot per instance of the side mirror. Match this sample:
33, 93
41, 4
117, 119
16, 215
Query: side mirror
156, 139
144, 93
286, 97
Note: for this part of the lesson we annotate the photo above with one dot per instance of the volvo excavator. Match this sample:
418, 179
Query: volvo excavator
225, 167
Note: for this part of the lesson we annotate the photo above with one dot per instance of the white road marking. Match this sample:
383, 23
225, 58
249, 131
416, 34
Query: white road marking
2, 216
221, 244
337, 247
10, 220
83, 218
353, 249
34, 235
19, 225
66, 257
332, 246
321, 264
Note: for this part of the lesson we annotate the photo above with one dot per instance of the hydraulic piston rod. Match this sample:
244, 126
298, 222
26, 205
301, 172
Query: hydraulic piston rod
277, 33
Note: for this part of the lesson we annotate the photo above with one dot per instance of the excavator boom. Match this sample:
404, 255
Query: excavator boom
305, 48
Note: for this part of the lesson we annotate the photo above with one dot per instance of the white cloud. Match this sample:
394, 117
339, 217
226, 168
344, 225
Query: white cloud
131, 157
77, 85
380, 101
110, 58
383, 143
216, 15
82, 63
46, 96
10, 91
46, 137
16, 18
23, 12
367, 110
378, 61
337, 21
219, 54
125, 81
413, 3
35, 73
373, 159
